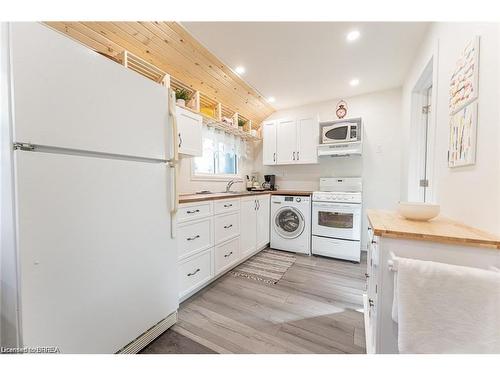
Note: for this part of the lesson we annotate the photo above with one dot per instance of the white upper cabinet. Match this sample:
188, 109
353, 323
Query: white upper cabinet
286, 142
307, 140
290, 141
269, 143
189, 126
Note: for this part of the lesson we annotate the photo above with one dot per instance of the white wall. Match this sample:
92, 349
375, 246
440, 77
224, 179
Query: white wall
469, 194
380, 164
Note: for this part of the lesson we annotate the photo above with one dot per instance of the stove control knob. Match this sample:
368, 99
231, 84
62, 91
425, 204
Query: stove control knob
298, 200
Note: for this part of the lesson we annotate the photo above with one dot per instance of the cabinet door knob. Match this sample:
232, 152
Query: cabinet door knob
367, 275
180, 140
228, 254
274, 156
192, 212
228, 226
298, 156
293, 157
371, 303
228, 205
193, 238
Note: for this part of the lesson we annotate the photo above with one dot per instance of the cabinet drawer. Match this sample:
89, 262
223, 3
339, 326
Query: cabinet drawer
195, 271
226, 227
191, 211
227, 205
227, 254
194, 236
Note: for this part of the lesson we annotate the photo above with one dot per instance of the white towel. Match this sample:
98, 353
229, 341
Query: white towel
443, 308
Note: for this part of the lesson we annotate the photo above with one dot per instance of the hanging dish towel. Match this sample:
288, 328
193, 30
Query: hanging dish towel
443, 308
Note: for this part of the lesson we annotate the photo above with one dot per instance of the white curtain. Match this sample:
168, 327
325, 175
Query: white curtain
222, 142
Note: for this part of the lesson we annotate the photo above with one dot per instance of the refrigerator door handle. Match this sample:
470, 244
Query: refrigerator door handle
173, 161
175, 148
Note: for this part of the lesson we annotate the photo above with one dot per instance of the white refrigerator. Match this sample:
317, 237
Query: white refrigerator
93, 191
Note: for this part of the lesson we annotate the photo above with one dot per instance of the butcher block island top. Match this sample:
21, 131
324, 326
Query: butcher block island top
189, 198
441, 229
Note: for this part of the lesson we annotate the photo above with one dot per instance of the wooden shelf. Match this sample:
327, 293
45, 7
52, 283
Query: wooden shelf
140, 66
210, 107
209, 121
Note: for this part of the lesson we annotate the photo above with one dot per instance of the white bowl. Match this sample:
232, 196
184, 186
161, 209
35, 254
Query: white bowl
418, 211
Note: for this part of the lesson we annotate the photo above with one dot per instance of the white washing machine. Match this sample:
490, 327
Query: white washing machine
291, 223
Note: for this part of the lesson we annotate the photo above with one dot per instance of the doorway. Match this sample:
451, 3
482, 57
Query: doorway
421, 184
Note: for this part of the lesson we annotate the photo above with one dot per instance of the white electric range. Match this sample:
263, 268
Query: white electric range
336, 218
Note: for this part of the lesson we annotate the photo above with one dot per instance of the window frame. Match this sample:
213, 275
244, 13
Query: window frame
216, 176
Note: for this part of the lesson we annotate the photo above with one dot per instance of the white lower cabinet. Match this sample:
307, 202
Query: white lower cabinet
195, 271
255, 212
227, 226
226, 255
248, 232
194, 236
215, 236
263, 217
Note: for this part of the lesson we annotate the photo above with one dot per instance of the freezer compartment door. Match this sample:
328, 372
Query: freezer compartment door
68, 96
98, 266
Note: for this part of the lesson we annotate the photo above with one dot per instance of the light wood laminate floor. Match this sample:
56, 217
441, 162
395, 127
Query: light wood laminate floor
315, 308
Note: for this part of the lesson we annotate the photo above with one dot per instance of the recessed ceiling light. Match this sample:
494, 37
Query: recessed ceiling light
354, 82
353, 35
240, 69
271, 99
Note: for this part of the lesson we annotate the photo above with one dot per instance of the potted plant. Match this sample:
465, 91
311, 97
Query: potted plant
241, 122
181, 96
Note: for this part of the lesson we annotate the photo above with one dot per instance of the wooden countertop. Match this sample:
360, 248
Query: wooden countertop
189, 198
441, 229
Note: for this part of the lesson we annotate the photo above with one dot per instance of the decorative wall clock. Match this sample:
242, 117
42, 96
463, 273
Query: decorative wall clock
341, 109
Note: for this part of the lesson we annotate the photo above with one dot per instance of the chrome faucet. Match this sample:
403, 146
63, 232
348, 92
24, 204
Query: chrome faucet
230, 183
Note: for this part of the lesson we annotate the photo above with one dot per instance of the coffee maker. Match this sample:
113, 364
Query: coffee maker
269, 182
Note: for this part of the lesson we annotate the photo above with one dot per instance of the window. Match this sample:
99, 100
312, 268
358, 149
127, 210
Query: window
219, 157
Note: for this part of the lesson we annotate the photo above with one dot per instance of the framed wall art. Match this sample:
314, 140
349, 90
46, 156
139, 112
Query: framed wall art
463, 129
465, 77
463, 103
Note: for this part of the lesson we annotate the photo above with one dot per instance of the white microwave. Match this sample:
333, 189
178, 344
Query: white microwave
341, 131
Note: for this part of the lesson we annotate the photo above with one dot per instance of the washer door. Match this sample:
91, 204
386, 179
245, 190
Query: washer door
289, 222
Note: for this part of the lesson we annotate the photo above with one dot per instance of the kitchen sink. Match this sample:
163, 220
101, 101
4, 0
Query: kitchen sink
225, 192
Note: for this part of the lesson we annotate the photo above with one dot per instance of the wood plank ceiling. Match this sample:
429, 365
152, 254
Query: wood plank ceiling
171, 48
